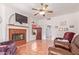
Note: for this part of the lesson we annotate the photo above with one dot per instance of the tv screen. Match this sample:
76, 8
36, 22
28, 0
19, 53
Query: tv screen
20, 18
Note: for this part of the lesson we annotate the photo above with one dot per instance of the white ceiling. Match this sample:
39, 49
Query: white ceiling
57, 8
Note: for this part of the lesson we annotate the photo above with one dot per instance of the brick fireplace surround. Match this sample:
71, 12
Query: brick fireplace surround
18, 31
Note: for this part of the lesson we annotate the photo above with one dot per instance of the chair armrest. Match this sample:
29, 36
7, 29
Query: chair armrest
58, 51
64, 45
3, 48
74, 49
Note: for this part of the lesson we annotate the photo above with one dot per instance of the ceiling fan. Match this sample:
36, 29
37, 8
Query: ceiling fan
43, 10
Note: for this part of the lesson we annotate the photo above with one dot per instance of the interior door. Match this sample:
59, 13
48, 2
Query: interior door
39, 34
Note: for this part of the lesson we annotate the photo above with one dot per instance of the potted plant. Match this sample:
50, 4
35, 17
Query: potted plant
34, 34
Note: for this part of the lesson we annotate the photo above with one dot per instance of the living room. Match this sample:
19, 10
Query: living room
35, 35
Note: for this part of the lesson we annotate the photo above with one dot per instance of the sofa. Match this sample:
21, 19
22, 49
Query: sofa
73, 48
8, 48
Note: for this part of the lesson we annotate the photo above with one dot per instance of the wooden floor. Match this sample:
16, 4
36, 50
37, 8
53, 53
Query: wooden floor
38, 47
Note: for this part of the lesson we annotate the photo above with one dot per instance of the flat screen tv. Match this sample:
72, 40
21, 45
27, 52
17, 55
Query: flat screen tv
20, 18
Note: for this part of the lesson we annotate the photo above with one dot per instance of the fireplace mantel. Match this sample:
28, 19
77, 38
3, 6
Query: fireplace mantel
12, 25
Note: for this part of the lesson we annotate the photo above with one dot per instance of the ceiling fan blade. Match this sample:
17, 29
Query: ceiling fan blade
50, 11
34, 9
42, 4
36, 14
46, 6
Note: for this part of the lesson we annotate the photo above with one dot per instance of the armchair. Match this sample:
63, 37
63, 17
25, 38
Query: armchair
65, 41
73, 50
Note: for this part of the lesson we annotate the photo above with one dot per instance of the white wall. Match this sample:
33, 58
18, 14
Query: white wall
71, 19
5, 13
1, 24
10, 11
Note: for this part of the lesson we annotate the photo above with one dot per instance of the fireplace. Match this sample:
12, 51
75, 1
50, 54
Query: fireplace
18, 35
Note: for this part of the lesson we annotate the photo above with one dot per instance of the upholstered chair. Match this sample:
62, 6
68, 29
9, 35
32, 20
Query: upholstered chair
65, 41
73, 48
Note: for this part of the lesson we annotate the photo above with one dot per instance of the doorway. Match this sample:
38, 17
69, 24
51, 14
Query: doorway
36, 32
48, 32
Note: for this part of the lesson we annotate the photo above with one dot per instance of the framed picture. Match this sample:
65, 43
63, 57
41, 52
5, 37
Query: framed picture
71, 26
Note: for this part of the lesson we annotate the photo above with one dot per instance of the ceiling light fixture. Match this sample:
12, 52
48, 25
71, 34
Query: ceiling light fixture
42, 12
